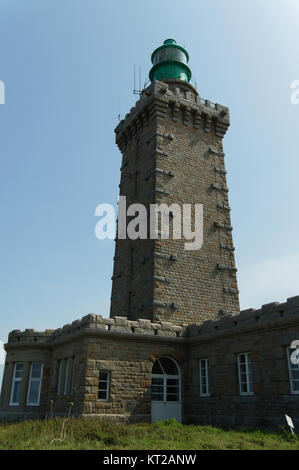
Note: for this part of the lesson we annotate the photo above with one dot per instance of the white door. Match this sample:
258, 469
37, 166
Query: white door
166, 390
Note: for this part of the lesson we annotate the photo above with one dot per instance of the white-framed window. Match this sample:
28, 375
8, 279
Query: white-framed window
245, 374
35, 382
204, 377
104, 383
65, 376
293, 353
16, 384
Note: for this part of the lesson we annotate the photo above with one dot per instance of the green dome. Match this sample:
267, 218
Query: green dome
170, 61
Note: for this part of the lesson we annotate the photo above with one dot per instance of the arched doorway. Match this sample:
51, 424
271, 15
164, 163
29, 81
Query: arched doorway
166, 390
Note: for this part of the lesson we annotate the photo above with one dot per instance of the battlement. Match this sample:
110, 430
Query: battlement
178, 96
229, 323
97, 322
263, 317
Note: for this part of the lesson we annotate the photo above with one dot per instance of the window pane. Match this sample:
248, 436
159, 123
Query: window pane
19, 369
157, 368
294, 371
169, 366
16, 392
242, 359
172, 389
34, 392
36, 370
204, 376
245, 374
156, 381
173, 382
157, 389
102, 395
103, 386
296, 354
296, 386
169, 53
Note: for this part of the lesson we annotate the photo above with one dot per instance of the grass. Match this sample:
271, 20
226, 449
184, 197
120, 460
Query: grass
92, 434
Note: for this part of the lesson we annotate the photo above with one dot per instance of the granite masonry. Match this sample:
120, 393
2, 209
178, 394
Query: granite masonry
176, 343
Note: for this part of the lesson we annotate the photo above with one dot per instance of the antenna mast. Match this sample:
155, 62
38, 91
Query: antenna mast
135, 91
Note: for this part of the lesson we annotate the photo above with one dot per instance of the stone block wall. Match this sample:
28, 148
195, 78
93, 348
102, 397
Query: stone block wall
172, 154
127, 350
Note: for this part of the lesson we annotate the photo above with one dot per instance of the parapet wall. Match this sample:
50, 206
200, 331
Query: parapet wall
175, 95
109, 325
267, 315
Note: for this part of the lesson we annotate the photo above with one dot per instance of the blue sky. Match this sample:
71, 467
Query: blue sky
68, 66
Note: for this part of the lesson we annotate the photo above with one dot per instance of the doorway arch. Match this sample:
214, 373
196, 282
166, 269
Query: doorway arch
166, 390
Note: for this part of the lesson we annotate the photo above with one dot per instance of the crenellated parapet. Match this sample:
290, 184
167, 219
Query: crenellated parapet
30, 335
96, 322
175, 97
268, 316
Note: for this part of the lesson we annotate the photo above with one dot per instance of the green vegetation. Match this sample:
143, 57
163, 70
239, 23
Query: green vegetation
90, 433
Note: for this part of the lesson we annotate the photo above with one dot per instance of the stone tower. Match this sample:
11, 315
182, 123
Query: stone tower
171, 143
